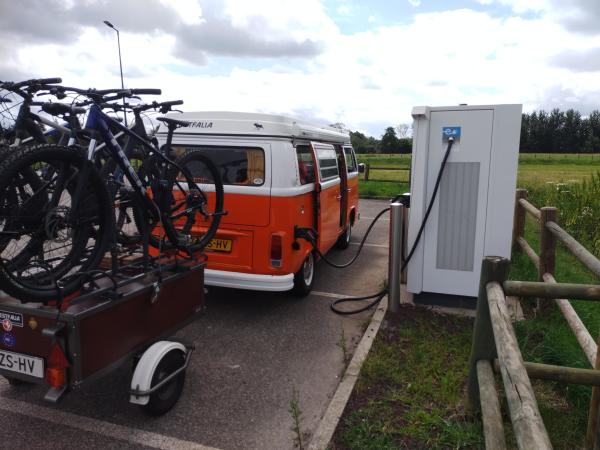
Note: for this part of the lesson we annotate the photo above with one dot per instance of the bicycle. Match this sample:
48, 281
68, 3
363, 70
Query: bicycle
63, 228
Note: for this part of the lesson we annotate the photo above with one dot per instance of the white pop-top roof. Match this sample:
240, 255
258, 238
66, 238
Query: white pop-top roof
254, 124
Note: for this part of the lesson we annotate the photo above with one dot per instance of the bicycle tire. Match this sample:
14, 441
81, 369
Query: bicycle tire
185, 161
91, 222
182, 228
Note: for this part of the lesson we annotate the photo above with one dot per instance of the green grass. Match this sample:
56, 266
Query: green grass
410, 393
377, 189
534, 169
548, 339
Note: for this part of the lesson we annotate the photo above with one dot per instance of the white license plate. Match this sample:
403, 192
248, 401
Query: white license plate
27, 365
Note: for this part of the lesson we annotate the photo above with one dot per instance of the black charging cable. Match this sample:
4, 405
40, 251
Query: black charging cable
379, 295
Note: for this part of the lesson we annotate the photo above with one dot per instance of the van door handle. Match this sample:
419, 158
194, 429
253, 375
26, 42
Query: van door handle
338, 197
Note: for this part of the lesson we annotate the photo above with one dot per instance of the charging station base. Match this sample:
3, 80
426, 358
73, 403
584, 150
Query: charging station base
446, 300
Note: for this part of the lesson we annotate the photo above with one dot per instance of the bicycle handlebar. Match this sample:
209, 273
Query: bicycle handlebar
148, 91
34, 84
97, 95
163, 106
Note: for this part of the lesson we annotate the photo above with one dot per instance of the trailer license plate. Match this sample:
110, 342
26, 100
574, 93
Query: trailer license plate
27, 365
219, 245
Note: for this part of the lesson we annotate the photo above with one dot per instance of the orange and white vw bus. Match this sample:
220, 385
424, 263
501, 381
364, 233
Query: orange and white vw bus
278, 173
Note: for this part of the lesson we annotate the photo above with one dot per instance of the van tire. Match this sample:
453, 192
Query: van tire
305, 277
343, 241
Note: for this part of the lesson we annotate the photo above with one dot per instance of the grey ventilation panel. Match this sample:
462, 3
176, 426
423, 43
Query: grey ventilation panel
457, 220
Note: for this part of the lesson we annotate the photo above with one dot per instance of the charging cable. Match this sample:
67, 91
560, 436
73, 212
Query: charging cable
379, 295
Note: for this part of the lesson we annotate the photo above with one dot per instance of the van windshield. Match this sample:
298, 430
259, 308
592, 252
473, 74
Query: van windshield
240, 166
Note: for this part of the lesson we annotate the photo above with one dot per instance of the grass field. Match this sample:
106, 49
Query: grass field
534, 168
411, 390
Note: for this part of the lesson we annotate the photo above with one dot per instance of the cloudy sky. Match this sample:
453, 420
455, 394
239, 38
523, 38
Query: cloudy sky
363, 63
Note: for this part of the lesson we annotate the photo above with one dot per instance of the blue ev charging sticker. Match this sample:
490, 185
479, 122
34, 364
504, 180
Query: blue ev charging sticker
448, 132
8, 340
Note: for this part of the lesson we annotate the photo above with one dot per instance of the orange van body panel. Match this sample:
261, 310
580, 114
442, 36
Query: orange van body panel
352, 199
251, 220
251, 244
329, 220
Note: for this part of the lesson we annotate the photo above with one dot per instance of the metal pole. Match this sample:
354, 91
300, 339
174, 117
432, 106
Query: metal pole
121, 69
110, 25
395, 259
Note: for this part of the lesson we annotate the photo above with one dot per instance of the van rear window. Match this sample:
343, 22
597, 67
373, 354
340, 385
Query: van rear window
239, 166
306, 164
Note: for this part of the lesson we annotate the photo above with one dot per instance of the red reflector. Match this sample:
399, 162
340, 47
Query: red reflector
56, 373
55, 377
276, 250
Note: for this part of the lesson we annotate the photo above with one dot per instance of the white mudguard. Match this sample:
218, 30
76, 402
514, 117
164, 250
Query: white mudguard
142, 377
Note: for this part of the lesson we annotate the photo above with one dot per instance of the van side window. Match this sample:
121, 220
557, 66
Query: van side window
306, 164
239, 166
328, 164
350, 160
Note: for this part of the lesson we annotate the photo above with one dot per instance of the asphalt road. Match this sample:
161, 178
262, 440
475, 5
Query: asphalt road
253, 350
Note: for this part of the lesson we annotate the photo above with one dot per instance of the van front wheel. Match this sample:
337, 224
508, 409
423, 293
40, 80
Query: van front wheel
305, 277
343, 241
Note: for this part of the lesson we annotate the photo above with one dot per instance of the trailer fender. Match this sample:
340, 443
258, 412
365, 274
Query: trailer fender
142, 376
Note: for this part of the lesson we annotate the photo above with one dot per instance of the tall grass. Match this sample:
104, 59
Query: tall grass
578, 205
547, 338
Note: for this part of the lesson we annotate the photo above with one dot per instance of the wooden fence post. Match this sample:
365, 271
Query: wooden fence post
547, 249
519, 220
483, 345
366, 171
593, 428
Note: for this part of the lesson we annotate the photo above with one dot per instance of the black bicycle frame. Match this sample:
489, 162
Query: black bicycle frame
98, 122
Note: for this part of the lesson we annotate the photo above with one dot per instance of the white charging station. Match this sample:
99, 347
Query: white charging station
472, 215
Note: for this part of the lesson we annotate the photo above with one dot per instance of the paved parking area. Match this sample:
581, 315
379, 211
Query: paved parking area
252, 351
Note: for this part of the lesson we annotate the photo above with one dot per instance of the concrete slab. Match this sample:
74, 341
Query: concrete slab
253, 350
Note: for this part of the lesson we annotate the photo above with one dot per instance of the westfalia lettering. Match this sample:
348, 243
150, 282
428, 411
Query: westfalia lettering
201, 124
15, 319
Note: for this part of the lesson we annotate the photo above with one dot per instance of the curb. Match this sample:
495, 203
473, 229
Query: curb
330, 420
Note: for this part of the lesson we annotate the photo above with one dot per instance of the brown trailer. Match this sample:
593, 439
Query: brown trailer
122, 319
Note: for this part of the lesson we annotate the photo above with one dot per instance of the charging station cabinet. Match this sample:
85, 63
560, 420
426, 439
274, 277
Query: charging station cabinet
472, 215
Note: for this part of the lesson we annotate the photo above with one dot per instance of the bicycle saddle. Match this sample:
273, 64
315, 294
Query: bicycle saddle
174, 122
57, 109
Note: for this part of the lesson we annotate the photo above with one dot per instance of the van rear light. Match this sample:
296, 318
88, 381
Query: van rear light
56, 372
276, 250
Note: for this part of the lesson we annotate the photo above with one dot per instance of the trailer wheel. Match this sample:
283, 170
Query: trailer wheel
165, 398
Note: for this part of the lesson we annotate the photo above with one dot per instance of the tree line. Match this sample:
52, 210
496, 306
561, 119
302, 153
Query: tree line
560, 132
389, 142
541, 132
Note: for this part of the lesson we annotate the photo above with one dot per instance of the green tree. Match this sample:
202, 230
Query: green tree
389, 141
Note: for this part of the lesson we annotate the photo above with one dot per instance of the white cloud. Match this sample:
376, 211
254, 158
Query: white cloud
368, 79
415, 2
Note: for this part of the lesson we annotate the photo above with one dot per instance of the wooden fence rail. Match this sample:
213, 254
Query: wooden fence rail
494, 340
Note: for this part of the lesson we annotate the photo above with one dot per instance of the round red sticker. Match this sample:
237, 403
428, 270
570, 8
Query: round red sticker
7, 325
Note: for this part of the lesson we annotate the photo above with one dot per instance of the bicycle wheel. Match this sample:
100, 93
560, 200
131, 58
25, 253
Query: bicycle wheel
57, 232
191, 203
198, 193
